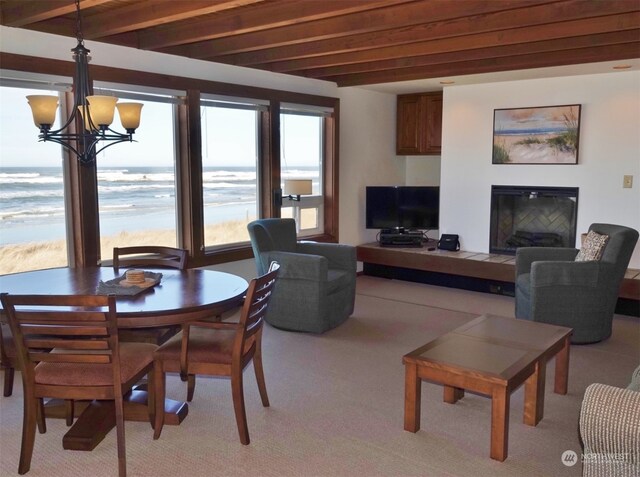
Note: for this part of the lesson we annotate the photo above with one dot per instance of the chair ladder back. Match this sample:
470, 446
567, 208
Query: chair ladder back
255, 306
80, 329
164, 257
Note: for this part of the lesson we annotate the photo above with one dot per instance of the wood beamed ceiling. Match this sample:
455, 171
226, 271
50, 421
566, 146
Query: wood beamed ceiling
354, 42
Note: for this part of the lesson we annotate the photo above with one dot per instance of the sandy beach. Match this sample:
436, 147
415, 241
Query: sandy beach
48, 254
40, 255
540, 153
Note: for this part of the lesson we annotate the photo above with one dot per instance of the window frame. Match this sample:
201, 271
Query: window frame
84, 241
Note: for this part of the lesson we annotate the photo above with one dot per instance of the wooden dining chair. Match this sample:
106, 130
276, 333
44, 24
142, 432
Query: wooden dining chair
86, 362
220, 349
155, 257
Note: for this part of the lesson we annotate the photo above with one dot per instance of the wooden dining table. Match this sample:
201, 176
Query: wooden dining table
181, 296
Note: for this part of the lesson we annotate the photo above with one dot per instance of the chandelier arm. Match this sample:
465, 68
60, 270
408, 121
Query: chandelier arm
113, 143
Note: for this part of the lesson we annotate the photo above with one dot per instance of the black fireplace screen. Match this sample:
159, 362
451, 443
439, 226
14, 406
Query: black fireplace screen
524, 216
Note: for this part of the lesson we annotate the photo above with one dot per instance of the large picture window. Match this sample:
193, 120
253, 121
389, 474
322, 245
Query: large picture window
137, 183
301, 157
230, 153
205, 161
32, 205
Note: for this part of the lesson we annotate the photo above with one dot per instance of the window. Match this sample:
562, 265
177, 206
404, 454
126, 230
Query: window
32, 209
136, 182
301, 157
230, 152
152, 190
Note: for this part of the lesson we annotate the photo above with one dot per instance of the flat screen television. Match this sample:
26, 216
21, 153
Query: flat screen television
402, 207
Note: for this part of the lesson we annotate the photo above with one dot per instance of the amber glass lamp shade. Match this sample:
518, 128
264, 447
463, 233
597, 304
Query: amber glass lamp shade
43, 108
102, 109
129, 115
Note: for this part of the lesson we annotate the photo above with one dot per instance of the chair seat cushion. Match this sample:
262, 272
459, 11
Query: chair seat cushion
206, 345
134, 357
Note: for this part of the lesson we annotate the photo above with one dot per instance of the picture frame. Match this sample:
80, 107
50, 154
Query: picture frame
536, 135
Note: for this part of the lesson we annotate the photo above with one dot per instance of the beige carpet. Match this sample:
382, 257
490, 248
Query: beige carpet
337, 405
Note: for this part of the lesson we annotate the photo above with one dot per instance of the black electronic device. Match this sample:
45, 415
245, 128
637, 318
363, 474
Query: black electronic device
402, 207
390, 238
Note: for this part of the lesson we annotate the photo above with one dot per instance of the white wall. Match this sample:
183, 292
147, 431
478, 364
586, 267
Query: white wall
609, 148
367, 156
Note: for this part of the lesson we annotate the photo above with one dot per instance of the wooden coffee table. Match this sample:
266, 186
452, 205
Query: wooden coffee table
492, 356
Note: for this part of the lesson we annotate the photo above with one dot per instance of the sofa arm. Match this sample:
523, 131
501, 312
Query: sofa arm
610, 430
576, 274
340, 256
299, 266
525, 256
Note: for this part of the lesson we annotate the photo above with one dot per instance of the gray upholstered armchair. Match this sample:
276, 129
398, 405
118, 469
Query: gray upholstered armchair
553, 288
317, 281
610, 429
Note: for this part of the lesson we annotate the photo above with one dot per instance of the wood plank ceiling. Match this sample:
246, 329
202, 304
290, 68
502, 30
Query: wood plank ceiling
354, 42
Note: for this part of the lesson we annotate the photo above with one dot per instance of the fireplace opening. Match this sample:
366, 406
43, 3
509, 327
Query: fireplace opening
523, 216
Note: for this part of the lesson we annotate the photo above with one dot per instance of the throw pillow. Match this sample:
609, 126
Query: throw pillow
593, 247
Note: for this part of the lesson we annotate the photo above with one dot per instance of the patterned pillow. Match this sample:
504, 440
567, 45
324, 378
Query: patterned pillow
592, 247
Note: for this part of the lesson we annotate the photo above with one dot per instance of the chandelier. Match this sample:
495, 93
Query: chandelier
96, 112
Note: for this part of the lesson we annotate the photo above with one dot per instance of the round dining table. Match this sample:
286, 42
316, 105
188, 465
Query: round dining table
181, 296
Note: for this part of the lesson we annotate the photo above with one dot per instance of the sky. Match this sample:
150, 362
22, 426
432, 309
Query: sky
231, 140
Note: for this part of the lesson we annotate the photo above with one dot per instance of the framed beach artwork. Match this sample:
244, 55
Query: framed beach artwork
540, 135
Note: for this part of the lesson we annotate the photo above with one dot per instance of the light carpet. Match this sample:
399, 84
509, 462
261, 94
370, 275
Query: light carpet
337, 405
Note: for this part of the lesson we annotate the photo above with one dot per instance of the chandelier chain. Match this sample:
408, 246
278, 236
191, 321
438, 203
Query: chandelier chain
79, 24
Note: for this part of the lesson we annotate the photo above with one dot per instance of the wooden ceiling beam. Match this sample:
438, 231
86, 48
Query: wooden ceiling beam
150, 13
518, 18
493, 65
273, 14
18, 13
545, 46
590, 26
392, 16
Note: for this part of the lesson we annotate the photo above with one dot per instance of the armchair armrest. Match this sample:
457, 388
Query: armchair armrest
299, 266
339, 256
610, 430
579, 274
525, 256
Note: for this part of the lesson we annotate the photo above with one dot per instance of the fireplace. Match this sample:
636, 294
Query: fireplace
523, 216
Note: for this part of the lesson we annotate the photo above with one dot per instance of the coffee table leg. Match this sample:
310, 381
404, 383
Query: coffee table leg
412, 397
500, 399
562, 368
534, 395
452, 395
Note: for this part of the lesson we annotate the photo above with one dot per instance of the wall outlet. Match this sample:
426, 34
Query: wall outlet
627, 182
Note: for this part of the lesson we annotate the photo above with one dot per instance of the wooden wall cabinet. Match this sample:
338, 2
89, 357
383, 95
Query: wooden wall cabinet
419, 124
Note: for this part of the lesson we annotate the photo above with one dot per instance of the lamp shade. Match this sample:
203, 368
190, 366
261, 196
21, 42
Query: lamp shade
102, 109
298, 186
129, 115
85, 119
43, 108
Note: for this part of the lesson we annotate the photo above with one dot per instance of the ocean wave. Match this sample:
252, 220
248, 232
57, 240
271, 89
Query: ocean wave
126, 176
130, 188
30, 194
227, 185
29, 179
238, 175
32, 213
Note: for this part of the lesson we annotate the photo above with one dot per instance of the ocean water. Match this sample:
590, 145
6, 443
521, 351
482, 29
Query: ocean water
130, 198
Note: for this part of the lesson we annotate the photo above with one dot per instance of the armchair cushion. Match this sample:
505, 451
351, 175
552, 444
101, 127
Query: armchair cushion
593, 247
